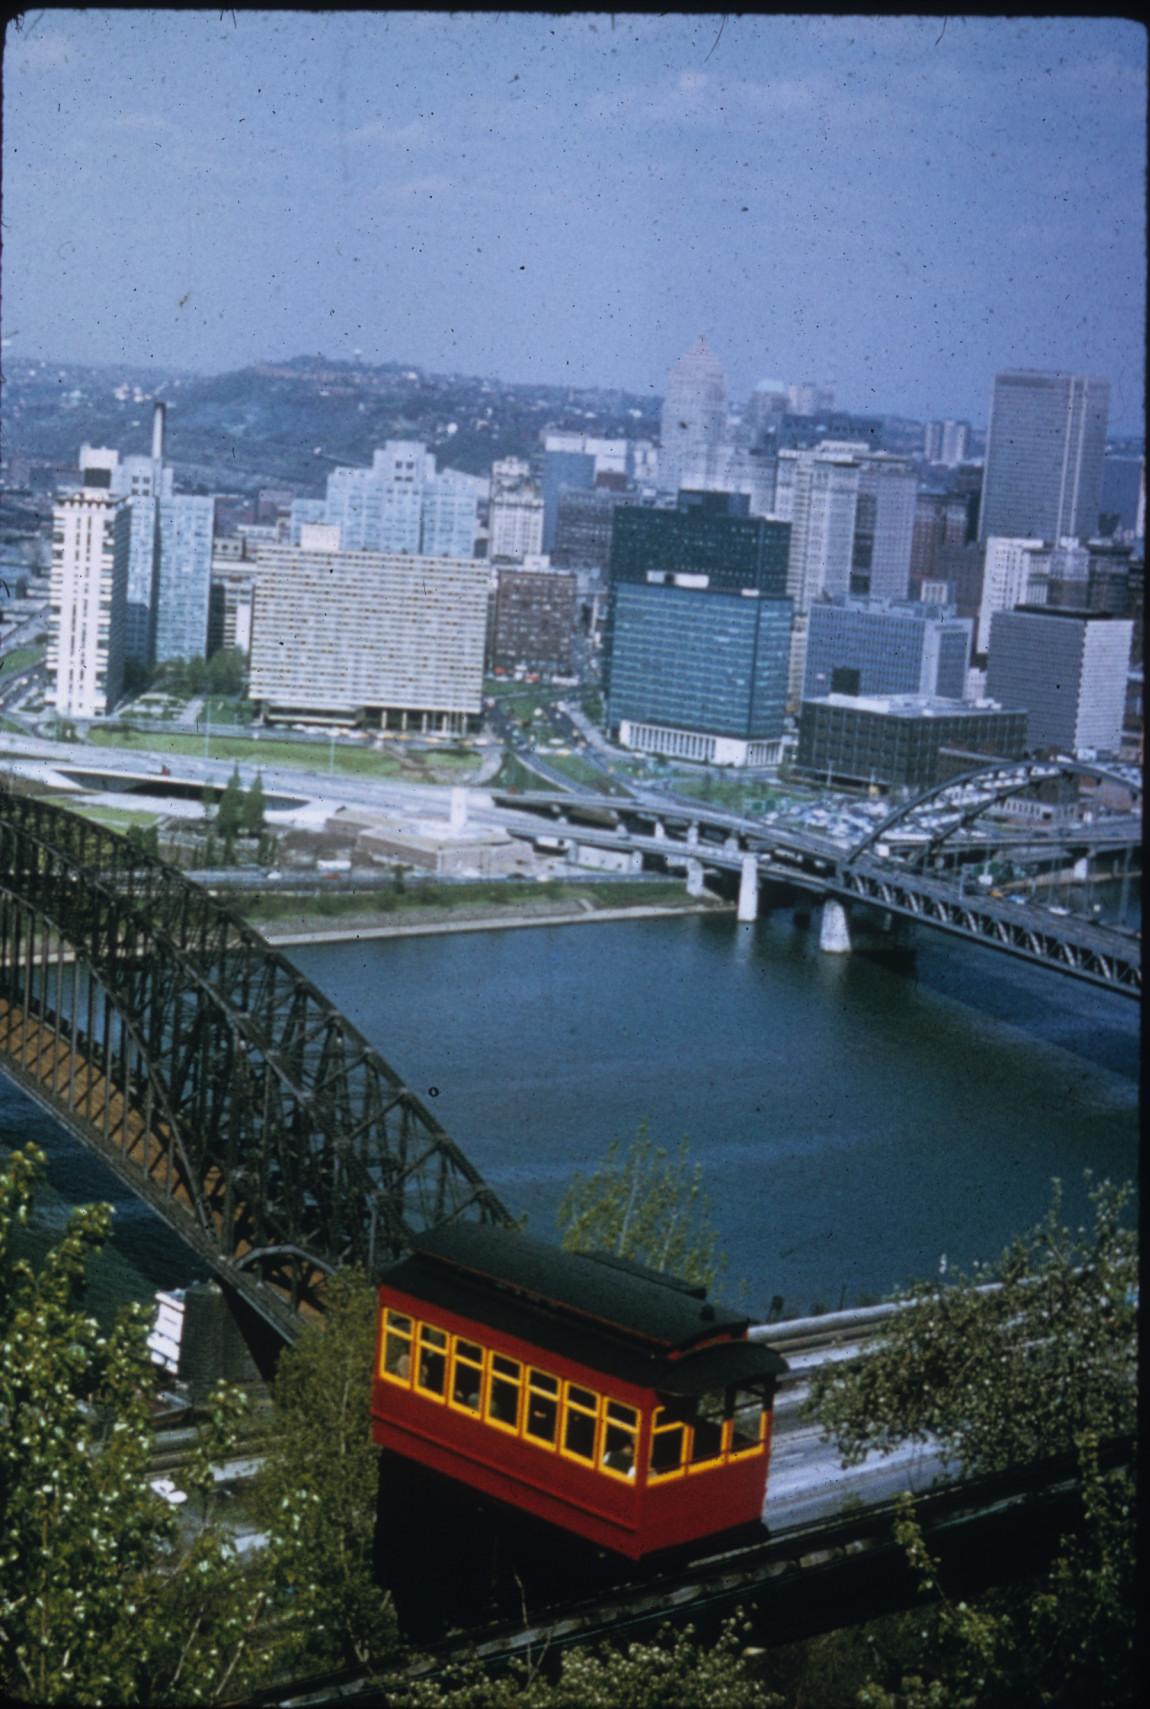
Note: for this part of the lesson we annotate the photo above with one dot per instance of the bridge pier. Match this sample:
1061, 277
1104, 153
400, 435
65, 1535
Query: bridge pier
694, 878
749, 890
835, 932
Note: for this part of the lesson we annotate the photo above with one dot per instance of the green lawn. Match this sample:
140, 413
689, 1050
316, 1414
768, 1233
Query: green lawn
226, 709
414, 897
116, 818
431, 766
580, 770
21, 659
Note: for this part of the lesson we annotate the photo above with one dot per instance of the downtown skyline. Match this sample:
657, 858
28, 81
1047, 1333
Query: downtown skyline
899, 207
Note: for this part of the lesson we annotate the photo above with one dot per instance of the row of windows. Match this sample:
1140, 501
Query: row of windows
552, 1413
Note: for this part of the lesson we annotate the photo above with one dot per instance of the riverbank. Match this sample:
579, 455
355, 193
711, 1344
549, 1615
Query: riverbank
315, 928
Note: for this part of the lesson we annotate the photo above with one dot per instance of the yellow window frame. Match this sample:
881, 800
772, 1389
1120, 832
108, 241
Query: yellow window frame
406, 1335
422, 1345
657, 1430
759, 1447
493, 1377
595, 1414
629, 1428
556, 1399
468, 1364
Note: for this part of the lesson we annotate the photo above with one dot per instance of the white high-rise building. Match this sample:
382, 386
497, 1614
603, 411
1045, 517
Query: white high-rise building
817, 492
515, 527
1015, 572
946, 442
884, 525
391, 637
91, 543
694, 423
808, 398
400, 504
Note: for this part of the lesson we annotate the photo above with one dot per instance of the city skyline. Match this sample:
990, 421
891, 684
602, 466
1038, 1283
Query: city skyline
878, 203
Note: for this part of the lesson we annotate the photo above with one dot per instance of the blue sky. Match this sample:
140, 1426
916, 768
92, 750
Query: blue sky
891, 204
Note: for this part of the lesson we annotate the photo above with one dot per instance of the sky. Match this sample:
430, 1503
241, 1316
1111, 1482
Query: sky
899, 206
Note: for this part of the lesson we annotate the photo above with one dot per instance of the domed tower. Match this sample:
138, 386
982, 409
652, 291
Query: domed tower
694, 421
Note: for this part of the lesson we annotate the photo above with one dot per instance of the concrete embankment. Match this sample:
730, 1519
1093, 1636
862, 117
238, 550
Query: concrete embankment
316, 930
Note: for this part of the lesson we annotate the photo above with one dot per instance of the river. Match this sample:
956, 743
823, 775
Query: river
858, 1119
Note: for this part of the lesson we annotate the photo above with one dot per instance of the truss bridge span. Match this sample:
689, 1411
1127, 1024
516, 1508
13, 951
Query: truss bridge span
214, 1079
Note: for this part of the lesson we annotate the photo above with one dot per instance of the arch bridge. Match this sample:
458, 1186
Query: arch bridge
216, 1081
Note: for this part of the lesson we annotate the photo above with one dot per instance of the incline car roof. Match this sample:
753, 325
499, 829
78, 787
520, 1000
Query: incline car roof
503, 1269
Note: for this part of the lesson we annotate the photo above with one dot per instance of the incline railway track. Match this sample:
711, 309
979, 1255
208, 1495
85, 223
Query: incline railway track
792, 1585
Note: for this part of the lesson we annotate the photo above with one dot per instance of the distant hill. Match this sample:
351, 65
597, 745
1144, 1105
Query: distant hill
291, 421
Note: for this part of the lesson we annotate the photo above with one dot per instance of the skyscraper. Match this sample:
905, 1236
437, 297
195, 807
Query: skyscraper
1044, 455
694, 422
184, 577
881, 646
516, 525
1068, 668
1014, 572
817, 493
91, 540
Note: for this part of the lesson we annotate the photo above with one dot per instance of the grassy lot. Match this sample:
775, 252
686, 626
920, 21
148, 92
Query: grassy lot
116, 818
737, 795
225, 709
21, 658
459, 898
580, 770
521, 698
432, 766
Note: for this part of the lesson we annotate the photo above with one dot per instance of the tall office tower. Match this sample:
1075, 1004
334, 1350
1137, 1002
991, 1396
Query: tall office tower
183, 578
704, 542
1014, 573
808, 398
881, 646
379, 509
694, 422
817, 492
698, 673
1044, 455
449, 519
753, 472
91, 542
583, 527
884, 527
946, 442
305, 511
765, 411
1123, 482
515, 527
563, 471
144, 482
533, 618
391, 638
1068, 668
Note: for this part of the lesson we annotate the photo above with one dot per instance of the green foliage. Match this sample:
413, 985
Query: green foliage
674, 1672
644, 1205
1066, 1641
322, 1470
225, 672
231, 807
105, 1596
998, 1377
252, 809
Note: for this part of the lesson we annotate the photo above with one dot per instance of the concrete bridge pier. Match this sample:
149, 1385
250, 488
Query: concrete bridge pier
835, 932
694, 878
1081, 870
749, 890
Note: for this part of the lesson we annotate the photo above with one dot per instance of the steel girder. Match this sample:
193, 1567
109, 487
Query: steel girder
966, 797
1090, 952
225, 1088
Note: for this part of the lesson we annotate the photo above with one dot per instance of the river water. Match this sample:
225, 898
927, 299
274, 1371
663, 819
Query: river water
858, 1118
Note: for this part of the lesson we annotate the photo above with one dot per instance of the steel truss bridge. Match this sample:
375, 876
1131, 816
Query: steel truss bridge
919, 863
216, 1081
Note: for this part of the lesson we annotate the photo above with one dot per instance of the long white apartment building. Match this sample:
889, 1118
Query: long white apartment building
91, 546
386, 638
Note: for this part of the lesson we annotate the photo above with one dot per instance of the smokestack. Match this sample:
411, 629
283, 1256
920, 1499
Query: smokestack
158, 414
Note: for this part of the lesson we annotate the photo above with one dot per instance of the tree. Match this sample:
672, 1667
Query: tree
104, 1596
252, 809
1000, 1376
321, 1463
673, 1672
1040, 1363
647, 1206
225, 672
230, 811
